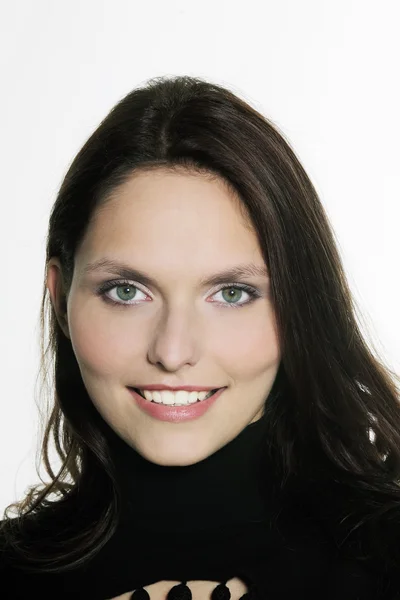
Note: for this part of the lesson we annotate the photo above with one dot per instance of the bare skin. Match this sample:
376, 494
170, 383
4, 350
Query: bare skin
178, 229
201, 590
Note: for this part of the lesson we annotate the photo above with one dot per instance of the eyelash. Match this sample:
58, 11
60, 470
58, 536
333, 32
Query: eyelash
254, 294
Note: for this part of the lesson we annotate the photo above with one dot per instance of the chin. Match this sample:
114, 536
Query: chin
174, 454
176, 460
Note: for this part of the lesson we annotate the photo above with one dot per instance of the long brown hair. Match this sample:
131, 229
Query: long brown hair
338, 392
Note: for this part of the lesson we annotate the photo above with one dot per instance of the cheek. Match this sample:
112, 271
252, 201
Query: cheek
105, 344
97, 342
248, 348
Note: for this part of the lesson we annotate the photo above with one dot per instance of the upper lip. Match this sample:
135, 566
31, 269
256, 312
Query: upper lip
188, 388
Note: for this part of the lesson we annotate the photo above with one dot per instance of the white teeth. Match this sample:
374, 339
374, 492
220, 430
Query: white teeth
179, 398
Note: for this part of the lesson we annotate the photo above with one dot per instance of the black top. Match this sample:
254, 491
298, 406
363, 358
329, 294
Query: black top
215, 520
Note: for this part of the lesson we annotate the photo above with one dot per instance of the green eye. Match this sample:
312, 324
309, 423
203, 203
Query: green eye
127, 291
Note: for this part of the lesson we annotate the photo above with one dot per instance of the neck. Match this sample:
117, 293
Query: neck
222, 489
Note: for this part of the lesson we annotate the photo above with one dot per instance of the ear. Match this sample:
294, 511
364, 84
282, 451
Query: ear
58, 298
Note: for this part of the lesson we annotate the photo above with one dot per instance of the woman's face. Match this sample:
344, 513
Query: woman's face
178, 229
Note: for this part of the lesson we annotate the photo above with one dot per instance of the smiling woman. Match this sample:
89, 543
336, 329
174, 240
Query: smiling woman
212, 453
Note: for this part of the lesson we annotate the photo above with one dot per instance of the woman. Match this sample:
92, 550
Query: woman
183, 206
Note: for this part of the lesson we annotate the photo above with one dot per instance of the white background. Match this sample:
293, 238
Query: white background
326, 72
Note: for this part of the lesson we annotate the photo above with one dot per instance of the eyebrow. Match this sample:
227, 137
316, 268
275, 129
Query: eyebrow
227, 276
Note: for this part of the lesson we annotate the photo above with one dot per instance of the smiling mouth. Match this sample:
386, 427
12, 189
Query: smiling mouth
206, 398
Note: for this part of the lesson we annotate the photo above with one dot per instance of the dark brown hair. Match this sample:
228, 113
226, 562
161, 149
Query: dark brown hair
337, 393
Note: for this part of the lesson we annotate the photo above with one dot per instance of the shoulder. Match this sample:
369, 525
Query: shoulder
18, 584
351, 578
7, 554
346, 568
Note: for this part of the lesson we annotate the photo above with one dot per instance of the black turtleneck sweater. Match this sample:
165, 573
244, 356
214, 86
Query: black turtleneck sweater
214, 520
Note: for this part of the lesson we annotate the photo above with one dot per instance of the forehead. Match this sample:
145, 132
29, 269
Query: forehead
163, 200
161, 190
161, 217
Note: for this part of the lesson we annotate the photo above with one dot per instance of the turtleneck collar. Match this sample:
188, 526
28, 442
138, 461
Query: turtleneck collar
220, 490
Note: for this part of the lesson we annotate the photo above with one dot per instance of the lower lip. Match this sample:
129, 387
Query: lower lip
175, 414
